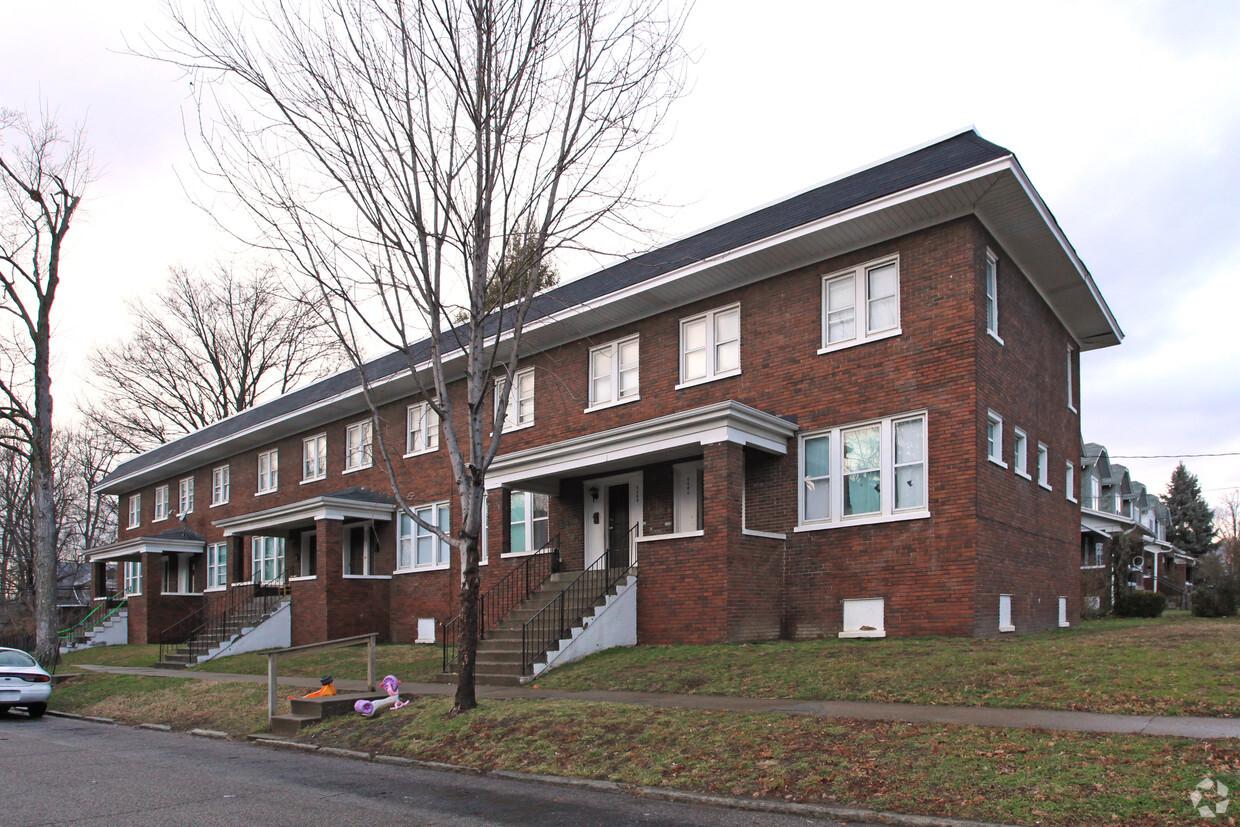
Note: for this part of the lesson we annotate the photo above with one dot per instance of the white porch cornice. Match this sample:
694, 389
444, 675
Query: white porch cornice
145, 545
727, 421
306, 512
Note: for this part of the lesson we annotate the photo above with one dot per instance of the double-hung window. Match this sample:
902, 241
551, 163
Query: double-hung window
187, 496
527, 521
417, 546
520, 410
867, 472
1043, 478
1092, 555
861, 304
1020, 454
613, 372
992, 295
220, 485
357, 445
133, 578
422, 435
268, 559
314, 458
994, 438
1071, 386
217, 565
135, 510
268, 471
1069, 481
710, 345
161, 502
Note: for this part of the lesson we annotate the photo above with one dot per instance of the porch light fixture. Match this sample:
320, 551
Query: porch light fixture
594, 492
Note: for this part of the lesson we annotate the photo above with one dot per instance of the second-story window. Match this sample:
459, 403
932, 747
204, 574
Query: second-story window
710, 345
861, 304
357, 442
314, 458
1043, 461
220, 485
187, 496
268, 471
161, 502
520, 410
992, 295
423, 429
613, 372
135, 510
1020, 455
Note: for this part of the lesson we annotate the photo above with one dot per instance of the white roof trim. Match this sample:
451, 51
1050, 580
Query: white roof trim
721, 422
145, 545
318, 508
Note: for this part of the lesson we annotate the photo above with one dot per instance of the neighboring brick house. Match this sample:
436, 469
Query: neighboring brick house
853, 412
1111, 504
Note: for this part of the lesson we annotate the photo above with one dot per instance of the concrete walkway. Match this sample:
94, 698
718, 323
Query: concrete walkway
1180, 727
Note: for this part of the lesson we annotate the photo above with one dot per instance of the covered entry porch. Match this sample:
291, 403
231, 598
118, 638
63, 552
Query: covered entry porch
669, 495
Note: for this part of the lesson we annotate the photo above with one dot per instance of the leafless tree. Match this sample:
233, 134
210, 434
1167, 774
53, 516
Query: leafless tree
1227, 521
206, 347
396, 152
43, 174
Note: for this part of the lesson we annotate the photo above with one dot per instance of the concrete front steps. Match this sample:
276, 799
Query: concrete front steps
307, 711
191, 652
498, 661
112, 632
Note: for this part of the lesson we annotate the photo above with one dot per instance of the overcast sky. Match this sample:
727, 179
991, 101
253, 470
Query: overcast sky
1124, 115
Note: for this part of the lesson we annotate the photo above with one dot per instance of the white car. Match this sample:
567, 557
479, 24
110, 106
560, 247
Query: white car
23, 683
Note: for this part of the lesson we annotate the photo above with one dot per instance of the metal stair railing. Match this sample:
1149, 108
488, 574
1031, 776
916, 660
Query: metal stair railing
104, 611
496, 602
207, 626
555, 621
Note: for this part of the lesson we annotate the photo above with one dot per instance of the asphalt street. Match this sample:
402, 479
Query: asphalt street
64, 771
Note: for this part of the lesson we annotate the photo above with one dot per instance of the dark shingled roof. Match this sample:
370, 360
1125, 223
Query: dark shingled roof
954, 154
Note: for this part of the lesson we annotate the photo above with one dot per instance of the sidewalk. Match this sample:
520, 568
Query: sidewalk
1200, 728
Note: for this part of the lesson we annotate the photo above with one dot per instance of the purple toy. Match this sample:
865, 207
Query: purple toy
390, 684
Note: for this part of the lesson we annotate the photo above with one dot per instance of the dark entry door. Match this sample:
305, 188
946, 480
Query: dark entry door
618, 526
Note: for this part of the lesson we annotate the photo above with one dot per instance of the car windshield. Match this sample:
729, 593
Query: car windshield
13, 658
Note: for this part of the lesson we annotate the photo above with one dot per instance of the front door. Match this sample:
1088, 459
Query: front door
613, 506
617, 526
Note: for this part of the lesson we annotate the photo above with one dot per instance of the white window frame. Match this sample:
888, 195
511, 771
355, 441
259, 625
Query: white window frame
359, 445
1043, 467
1071, 390
1069, 480
994, 439
527, 522
316, 470
217, 566
710, 321
1020, 453
421, 429
617, 371
132, 573
887, 470
368, 549
1095, 559
221, 485
868, 611
135, 510
1005, 614
862, 333
410, 532
161, 503
268, 478
263, 549
992, 295
514, 416
185, 496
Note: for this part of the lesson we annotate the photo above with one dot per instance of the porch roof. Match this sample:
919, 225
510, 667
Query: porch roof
351, 503
174, 539
674, 436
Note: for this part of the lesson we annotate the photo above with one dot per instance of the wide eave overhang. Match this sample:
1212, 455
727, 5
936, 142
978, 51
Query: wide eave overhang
144, 545
304, 514
997, 192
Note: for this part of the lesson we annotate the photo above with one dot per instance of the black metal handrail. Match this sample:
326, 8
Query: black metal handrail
555, 621
206, 626
496, 602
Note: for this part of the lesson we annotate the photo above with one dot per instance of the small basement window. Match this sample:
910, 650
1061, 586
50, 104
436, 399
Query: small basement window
426, 630
863, 618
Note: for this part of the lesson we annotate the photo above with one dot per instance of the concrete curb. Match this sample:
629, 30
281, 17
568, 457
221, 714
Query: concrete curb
211, 733
156, 727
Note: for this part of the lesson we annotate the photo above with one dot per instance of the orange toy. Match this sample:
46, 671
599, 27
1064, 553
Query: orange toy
329, 688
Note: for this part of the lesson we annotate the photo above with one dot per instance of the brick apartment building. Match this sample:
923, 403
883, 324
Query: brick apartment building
853, 412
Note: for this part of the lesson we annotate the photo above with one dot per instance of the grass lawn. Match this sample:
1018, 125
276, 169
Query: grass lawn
1175, 665
968, 772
